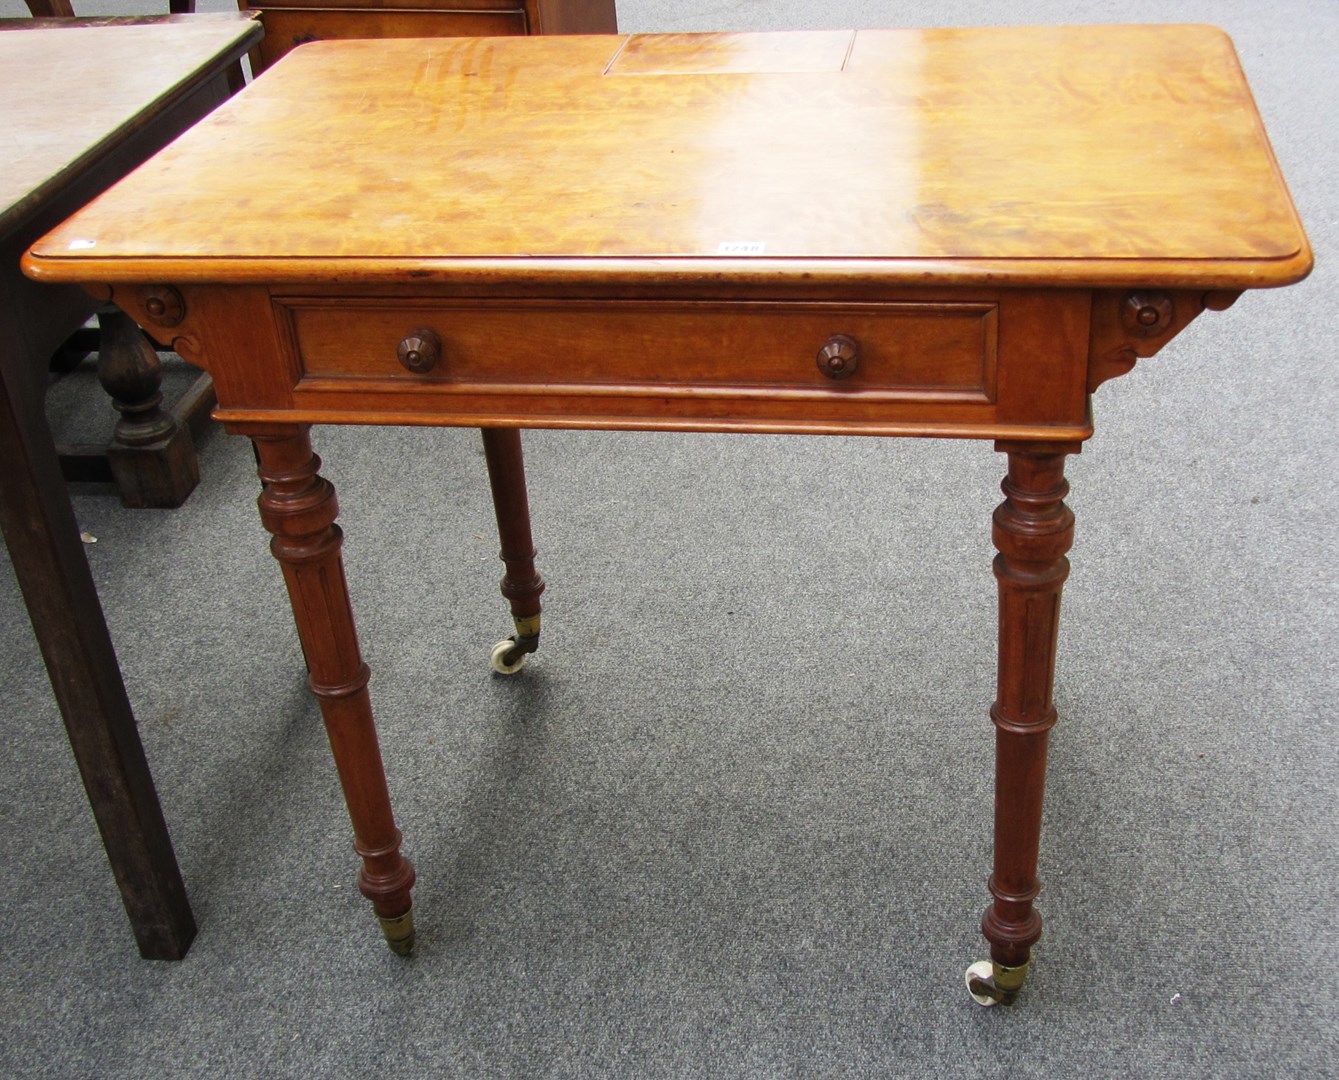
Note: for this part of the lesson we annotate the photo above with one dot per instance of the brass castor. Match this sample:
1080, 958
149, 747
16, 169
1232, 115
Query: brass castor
990, 983
509, 654
399, 932
507, 659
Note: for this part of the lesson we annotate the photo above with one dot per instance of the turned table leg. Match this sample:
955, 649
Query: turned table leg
152, 455
521, 584
1033, 528
298, 507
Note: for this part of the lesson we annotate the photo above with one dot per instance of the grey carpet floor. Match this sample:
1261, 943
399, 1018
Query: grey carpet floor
733, 821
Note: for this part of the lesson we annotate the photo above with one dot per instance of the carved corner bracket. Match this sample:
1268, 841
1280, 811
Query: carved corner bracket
1130, 325
160, 311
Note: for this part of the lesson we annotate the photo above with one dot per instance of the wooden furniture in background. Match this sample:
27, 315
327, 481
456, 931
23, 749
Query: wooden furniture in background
294, 22
64, 9
150, 457
85, 102
949, 233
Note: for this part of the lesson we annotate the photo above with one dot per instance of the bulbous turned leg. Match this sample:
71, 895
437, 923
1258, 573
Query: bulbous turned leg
521, 584
1033, 529
152, 456
298, 508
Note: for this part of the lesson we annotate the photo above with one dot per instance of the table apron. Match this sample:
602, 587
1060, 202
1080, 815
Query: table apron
1004, 363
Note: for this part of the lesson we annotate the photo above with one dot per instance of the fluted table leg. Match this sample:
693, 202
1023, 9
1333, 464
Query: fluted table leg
298, 507
1033, 529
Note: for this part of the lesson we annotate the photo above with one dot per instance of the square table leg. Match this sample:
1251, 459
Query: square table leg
49, 561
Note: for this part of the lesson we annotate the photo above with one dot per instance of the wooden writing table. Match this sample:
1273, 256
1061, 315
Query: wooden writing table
84, 102
956, 233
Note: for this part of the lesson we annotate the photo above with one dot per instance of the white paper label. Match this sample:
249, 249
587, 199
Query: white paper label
741, 247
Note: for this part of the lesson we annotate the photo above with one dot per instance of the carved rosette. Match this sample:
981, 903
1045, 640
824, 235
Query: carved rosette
160, 311
1132, 324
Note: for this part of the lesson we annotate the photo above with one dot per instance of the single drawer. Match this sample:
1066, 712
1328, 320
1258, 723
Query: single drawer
932, 351
286, 28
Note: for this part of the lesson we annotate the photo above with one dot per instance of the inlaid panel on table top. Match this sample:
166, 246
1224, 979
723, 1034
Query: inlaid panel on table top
1083, 155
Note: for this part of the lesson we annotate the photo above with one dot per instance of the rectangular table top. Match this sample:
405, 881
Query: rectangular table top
73, 89
1057, 155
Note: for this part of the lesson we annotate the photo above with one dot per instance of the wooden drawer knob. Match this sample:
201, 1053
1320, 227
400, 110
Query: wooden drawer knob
420, 350
839, 357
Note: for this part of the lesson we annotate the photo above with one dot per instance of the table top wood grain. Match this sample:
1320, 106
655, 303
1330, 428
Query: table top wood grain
1045, 155
948, 233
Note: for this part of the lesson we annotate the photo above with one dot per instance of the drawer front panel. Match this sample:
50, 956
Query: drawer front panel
286, 28
916, 351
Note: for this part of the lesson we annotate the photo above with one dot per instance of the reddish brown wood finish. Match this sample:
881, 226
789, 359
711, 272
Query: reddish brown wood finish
290, 23
1033, 529
298, 508
677, 260
521, 584
1120, 337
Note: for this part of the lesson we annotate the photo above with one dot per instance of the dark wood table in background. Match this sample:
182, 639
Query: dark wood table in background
84, 102
289, 23
946, 233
